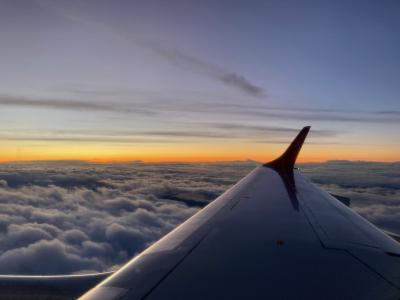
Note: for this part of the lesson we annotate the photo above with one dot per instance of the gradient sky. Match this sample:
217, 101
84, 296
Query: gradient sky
198, 80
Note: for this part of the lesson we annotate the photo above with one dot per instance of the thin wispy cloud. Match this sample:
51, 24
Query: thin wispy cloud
77, 105
389, 112
171, 55
267, 129
163, 108
202, 133
85, 139
53, 104
281, 113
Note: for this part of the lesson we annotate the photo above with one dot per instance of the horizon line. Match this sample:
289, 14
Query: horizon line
140, 161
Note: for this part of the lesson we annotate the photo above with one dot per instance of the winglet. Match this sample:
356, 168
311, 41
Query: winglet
287, 160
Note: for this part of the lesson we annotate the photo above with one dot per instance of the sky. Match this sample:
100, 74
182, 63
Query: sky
198, 80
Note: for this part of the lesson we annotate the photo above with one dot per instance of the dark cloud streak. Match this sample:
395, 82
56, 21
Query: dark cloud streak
241, 83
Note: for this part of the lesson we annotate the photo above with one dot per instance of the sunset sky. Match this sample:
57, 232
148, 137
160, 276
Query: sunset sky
198, 80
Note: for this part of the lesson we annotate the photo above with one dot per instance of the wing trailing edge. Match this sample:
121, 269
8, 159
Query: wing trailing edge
287, 160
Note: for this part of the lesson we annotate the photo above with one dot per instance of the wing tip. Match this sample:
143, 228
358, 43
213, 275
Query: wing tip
287, 160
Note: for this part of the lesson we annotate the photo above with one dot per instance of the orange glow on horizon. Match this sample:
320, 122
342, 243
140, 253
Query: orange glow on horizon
194, 153
205, 151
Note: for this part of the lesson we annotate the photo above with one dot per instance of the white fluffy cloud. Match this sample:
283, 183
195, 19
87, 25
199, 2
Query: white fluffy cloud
89, 217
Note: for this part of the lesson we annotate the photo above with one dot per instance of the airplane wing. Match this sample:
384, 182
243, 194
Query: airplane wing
272, 235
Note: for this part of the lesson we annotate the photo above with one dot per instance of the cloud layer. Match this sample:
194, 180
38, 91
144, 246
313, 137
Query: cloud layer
77, 217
